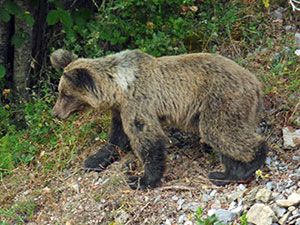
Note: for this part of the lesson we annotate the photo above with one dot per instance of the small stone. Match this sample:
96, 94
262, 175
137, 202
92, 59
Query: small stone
261, 214
175, 198
216, 205
213, 193
284, 218
242, 187
225, 216
291, 136
188, 222
269, 161
288, 27
235, 195
157, 199
181, 218
291, 208
193, 206
168, 222
121, 217
296, 157
211, 212
238, 211
206, 198
179, 203
278, 14
76, 187
263, 195
293, 199
279, 211
297, 40
270, 186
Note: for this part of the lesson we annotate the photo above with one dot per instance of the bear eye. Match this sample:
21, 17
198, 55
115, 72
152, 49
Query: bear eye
63, 95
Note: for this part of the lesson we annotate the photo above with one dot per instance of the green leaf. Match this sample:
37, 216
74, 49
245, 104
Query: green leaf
29, 19
4, 15
17, 40
2, 71
12, 8
66, 19
53, 17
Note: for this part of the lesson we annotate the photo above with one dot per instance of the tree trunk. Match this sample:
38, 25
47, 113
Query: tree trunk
6, 50
22, 55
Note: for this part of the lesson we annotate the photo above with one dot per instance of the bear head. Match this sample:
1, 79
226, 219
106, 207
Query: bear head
77, 89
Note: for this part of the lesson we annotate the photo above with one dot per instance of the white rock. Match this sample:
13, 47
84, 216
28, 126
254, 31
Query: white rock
225, 216
235, 195
293, 199
193, 206
297, 40
261, 214
291, 137
263, 195
284, 218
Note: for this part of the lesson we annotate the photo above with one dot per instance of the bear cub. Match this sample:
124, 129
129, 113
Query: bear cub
206, 94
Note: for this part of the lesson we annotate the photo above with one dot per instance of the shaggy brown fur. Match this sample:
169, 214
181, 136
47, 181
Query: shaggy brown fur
206, 94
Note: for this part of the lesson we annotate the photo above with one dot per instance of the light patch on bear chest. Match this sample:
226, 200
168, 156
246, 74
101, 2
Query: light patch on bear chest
124, 77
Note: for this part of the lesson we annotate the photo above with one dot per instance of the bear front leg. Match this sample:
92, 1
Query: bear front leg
153, 157
107, 155
147, 140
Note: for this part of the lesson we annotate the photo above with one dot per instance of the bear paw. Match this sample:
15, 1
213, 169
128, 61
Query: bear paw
99, 161
220, 179
140, 183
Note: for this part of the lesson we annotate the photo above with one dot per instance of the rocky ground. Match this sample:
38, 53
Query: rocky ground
77, 197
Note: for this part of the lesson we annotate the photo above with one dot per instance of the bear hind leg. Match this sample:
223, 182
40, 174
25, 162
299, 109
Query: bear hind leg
238, 171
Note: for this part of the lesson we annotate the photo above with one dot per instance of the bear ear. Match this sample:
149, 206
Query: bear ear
61, 58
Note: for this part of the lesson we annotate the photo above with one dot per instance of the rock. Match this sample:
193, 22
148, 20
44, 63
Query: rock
263, 195
293, 199
284, 218
121, 217
296, 157
261, 214
193, 206
297, 40
238, 211
279, 211
225, 216
168, 222
250, 196
216, 205
181, 218
235, 195
206, 198
242, 187
288, 27
213, 193
277, 14
291, 137
270, 186
175, 198
179, 203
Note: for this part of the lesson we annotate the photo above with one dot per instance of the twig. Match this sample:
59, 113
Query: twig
178, 188
292, 3
136, 216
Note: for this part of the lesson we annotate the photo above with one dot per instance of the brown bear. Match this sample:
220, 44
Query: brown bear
206, 94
